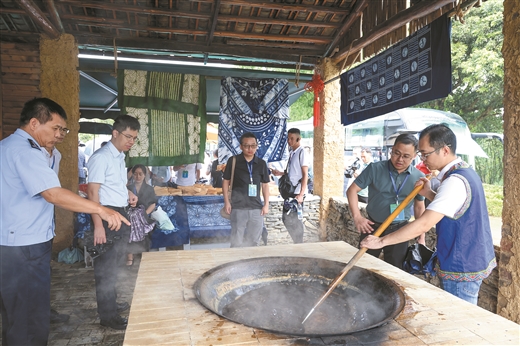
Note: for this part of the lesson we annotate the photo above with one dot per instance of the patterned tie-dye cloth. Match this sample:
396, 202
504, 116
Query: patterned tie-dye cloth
171, 109
260, 106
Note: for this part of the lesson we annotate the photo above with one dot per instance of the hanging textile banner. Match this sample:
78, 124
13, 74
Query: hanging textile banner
260, 106
171, 109
414, 70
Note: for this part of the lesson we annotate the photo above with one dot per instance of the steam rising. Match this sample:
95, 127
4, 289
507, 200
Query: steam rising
277, 295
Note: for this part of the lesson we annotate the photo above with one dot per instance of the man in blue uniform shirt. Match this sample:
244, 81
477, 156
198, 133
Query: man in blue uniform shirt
29, 188
107, 186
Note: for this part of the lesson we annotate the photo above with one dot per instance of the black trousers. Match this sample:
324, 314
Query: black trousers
393, 254
107, 267
25, 293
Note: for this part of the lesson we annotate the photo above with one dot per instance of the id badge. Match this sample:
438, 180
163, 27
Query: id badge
399, 217
252, 190
184, 174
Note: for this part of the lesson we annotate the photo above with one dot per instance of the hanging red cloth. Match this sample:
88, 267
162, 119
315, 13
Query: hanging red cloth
316, 86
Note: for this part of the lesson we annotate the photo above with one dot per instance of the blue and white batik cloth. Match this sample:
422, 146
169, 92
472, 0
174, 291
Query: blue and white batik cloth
260, 106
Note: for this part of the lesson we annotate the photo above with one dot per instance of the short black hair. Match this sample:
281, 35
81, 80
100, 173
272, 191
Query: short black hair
406, 139
439, 136
248, 135
295, 131
126, 121
42, 109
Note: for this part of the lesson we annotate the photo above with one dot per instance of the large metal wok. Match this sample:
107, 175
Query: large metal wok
275, 294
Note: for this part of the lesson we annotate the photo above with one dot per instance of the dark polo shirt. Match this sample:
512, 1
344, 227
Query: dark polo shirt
241, 181
381, 192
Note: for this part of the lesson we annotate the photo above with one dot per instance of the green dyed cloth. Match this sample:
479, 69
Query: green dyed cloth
171, 109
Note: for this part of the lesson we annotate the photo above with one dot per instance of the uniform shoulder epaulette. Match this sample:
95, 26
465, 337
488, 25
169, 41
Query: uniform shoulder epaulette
33, 144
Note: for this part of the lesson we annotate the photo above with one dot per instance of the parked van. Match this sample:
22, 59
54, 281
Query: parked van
380, 132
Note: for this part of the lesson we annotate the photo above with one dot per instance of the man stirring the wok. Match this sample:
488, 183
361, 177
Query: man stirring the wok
388, 182
459, 211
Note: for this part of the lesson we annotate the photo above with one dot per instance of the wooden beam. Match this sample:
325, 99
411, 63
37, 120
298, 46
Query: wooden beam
316, 49
402, 18
274, 21
213, 22
55, 17
12, 10
73, 19
353, 16
36, 14
207, 16
230, 34
277, 55
267, 37
286, 7
135, 9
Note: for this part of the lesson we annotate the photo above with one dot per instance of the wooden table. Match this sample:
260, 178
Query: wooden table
165, 310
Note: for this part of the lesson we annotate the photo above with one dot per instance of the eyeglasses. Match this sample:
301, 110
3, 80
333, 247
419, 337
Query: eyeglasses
398, 154
130, 138
252, 146
425, 155
62, 130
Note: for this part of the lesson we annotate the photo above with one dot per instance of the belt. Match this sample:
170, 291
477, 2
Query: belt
392, 225
118, 209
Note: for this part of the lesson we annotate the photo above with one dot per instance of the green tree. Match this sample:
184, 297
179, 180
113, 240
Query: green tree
478, 74
302, 109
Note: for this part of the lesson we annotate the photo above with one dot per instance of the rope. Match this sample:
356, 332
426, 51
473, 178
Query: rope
115, 57
298, 67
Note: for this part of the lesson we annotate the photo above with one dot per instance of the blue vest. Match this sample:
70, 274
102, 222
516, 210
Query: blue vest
464, 244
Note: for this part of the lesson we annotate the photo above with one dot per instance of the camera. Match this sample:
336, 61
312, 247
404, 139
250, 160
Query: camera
349, 172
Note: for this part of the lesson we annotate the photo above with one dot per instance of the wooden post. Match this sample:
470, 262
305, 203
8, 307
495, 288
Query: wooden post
59, 81
329, 138
508, 304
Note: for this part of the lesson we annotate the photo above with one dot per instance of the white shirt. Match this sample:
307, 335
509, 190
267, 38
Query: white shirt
295, 167
53, 159
107, 167
451, 194
186, 176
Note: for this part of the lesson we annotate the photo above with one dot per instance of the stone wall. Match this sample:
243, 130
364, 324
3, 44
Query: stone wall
340, 226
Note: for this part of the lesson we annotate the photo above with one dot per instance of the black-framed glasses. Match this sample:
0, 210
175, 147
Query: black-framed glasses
398, 154
130, 138
425, 155
252, 146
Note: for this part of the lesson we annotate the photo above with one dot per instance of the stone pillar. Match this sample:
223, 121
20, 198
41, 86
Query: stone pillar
59, 81
509, 279
329, 138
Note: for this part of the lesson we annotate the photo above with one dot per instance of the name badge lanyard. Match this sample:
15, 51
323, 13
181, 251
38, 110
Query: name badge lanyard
395, 187
53, 161
250, 169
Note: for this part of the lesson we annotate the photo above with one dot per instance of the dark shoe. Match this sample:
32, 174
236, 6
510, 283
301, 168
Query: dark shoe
58, 318
117, 322
122, 307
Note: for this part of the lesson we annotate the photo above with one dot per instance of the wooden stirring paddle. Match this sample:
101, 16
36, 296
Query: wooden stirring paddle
361, 251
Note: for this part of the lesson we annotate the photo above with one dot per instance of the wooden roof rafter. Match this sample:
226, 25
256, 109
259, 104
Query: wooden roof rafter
238, 30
